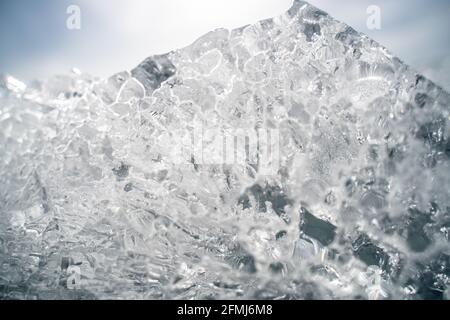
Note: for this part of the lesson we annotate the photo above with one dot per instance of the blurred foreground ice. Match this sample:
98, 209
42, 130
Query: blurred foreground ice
93, 205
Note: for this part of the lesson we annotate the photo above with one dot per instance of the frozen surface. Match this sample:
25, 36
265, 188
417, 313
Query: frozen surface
94, 204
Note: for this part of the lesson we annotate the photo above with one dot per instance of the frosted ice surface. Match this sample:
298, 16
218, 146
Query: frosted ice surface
94, 202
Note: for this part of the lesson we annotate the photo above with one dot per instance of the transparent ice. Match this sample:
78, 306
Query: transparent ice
92, 206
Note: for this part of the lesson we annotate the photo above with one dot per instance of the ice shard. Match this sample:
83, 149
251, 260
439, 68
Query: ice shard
107, 192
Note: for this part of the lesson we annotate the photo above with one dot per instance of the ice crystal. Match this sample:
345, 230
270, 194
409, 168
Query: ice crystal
94, 204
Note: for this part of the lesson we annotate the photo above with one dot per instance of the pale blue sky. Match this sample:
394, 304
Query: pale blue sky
118, 34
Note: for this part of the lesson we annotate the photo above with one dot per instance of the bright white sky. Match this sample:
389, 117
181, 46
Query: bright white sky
118, 34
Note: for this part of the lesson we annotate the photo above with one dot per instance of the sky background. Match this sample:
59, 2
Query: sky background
118, 34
